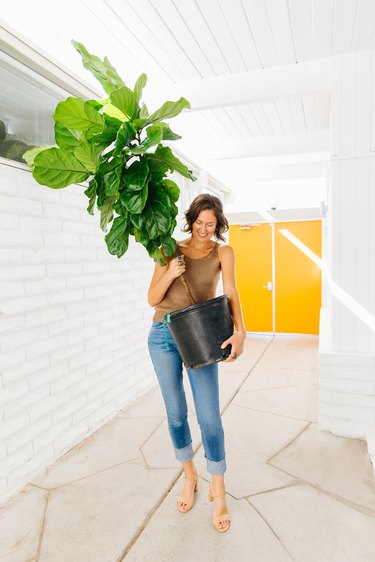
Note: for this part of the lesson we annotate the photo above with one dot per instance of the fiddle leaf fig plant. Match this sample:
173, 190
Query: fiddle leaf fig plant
118, 146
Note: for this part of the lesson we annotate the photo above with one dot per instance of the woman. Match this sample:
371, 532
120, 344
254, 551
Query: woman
200, 259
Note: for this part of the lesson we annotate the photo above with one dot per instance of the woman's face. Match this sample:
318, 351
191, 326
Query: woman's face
205, 225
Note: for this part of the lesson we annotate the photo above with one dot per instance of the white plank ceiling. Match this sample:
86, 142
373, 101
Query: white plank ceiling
194, 42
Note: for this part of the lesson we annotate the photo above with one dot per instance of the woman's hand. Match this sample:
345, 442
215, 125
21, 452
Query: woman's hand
237, 342
177, 267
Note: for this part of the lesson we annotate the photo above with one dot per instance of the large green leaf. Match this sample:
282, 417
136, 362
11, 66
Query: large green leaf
167, 110
109, 163
136, 175
90, 192
111, 181
160, 194
124, 100
106, 212
30, 155
101, 69
169, 245
172, 189
156, 219
158, 168
56, 168
88, 156
125, 135
109, 132
134, 201
143, 112
117, 239
155, 134
163, 154
79, 115
139, 85
66, 138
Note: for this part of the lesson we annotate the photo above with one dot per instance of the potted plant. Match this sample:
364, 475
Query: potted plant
116, 144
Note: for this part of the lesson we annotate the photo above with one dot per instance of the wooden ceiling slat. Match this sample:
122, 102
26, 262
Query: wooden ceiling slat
261, 118
343, 26
223, 117
209, 44
256, 13
322, 21
235, 15
301, 18
310, 109
298, 115
249, 120
237, 121
284, 110
185, 36
273, 117
278, 15
159, 32
214, 16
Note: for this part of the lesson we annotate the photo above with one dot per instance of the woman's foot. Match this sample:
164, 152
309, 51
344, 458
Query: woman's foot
186, 499
221, 519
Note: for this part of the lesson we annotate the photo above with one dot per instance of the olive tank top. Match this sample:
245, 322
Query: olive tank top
202, 276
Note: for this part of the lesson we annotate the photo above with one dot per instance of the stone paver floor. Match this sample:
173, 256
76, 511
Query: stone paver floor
295, 493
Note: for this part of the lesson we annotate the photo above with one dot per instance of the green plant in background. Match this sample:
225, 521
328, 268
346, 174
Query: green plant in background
11, 147
118, 144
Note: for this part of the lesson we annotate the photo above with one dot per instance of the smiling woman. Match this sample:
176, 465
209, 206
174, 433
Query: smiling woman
198, 262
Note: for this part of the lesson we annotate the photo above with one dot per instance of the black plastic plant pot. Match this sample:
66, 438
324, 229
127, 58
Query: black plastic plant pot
200, 329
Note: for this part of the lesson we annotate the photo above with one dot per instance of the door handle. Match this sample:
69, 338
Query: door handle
268, 286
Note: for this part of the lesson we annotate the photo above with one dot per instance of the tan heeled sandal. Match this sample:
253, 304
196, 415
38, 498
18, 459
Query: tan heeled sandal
183, 499
219, 518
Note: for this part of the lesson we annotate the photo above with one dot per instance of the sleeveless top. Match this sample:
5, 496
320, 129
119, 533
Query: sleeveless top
202, 276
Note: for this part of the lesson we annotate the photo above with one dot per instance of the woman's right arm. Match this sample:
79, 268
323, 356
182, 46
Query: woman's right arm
162, 279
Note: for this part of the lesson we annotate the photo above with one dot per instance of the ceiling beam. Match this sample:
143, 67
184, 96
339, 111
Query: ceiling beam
248, 87
267, 146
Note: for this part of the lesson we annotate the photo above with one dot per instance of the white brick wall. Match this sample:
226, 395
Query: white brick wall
71, 318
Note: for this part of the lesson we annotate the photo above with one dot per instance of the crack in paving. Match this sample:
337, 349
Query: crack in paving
272, 530
44, 519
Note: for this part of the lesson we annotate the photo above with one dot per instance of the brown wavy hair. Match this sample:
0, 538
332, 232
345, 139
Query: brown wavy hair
201, 203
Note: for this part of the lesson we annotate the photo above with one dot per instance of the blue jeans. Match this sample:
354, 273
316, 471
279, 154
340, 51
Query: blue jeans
205, 388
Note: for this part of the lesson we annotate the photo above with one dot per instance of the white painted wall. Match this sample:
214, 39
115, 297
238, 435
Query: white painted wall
73, 325
347, 344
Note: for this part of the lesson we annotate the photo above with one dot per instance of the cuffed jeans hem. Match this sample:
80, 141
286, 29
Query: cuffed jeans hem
216, 467
185, 454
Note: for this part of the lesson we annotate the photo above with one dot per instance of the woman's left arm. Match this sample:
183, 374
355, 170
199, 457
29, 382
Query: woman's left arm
237, 340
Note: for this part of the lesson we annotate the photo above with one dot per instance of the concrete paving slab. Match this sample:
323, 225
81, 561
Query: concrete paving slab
21, 521
335, 464
116, 442
171, 535
250, 439
149, 404
291, 401
315, 527
264, 378
93, 520
158, 449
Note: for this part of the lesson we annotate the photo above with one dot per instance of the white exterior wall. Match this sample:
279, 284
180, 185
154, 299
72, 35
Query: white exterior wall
73, 325
347, 358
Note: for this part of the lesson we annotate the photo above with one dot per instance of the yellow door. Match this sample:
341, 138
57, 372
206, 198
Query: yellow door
297, 289
253, 249
298, 278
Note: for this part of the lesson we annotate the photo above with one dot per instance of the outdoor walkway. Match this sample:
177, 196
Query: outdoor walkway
294, 493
